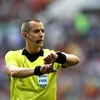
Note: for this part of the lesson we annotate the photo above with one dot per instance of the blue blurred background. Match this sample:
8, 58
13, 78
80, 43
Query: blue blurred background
72, 26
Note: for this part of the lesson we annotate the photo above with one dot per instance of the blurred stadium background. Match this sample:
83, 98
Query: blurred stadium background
72, 26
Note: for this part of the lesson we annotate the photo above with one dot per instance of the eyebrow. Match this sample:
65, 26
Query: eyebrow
37, 30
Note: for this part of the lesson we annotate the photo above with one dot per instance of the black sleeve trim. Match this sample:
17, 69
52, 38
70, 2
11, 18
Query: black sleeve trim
37, 71
61, 58
63, 66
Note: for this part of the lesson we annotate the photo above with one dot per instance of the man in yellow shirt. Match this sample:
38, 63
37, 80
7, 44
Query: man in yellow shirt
32, 70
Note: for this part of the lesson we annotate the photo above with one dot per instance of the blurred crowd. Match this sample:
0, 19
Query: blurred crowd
79, 36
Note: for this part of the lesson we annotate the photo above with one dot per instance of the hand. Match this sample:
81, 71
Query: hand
47, 68
50, 58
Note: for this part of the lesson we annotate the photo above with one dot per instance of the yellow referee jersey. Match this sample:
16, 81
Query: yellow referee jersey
33, 87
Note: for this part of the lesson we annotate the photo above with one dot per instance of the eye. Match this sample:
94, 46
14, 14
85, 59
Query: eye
42, 30
36, 31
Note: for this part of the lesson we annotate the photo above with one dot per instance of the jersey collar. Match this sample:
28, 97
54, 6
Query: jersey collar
32, 57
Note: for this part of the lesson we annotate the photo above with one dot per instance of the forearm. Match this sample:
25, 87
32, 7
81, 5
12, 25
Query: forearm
61, 58
67, 59
71, 60
18, 72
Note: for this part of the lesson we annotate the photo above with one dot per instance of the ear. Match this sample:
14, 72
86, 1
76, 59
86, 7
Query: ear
24, 34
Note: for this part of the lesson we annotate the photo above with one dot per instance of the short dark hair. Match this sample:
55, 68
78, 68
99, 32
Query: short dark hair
25, 27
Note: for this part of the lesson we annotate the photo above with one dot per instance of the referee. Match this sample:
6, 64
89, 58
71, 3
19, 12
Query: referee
33, 70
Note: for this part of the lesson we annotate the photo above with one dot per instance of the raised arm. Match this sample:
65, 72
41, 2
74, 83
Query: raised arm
19, 72
65, 59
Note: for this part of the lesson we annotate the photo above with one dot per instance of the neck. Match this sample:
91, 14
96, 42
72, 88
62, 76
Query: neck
33, 50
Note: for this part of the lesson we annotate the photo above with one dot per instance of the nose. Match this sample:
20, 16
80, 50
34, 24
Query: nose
41, 33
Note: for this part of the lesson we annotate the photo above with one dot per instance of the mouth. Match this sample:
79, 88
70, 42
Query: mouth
39, 41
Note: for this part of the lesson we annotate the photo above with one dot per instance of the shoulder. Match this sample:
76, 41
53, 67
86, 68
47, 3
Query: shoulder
48, 50
14, 53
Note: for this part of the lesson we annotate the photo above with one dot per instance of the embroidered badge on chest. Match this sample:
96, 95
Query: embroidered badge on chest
43, 80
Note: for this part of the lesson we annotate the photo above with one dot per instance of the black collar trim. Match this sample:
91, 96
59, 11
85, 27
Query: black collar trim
32, 57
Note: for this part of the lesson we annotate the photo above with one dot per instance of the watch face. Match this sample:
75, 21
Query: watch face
43, 80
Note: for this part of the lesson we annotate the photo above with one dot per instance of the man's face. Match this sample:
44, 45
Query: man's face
36, 34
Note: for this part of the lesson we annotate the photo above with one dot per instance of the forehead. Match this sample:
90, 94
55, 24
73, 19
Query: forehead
36, 25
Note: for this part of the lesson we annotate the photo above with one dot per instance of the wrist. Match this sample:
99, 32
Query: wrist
37, 70
61, 58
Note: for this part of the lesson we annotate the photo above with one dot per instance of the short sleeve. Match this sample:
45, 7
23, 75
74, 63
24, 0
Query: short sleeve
10, 58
